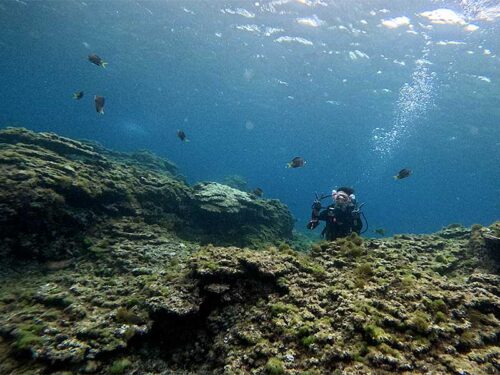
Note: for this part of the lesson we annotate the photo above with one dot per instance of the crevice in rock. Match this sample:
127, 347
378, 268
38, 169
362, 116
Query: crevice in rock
186, 340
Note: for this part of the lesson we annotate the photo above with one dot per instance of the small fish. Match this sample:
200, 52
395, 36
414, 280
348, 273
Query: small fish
403, 173
182, 136
78, 95
296, 162
99, 104
258, 192
96, 60
380, 231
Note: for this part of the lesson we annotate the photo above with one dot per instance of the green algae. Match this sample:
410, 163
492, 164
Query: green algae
388, 350
281, 308
87, 243
419, 322
356, 239
376, 334
407, 282
120, 366
440, 317
307, 341
26, 339
124, 315
438, 305
305, 329
364, 271
275, 366
362, 274
440, 258
314, 268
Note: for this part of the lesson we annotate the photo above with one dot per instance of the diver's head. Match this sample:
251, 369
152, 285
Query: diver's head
343, 197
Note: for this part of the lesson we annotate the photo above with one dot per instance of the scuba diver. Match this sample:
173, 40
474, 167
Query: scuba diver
342, 217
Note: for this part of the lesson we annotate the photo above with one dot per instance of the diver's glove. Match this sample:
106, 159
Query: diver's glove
312, 224
316, 205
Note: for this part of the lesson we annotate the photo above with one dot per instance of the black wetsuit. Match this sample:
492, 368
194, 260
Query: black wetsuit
339, 222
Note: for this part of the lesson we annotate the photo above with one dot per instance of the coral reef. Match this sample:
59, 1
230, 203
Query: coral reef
101, 273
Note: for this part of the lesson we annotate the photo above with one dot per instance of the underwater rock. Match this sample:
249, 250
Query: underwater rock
454, 231
56, 192
50, 141
235, 181
212, 197
492, 242
53, 191
237, 218
240, 310
491, 238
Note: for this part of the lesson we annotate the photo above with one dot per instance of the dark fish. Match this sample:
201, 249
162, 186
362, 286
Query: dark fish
403, 173
182, 136
96, 60
258, 192
78, 95
380, 231
99, 104
296, 162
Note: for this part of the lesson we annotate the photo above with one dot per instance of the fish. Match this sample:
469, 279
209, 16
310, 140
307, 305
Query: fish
96, 60
182, 136
78, 95
258, 192
99, 104
380, 231
296, 162
403, 173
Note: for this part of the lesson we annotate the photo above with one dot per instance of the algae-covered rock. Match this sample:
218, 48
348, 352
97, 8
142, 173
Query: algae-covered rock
237, 217
491, 238
274, 310
219, 199
56, 192
53, 191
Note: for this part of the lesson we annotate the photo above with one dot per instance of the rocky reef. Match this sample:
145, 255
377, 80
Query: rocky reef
106, 268
56, 193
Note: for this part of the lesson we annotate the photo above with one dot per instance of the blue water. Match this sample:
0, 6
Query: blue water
356, 91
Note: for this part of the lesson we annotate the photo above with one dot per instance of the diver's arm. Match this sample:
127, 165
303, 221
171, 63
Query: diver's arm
315, 215
323, 215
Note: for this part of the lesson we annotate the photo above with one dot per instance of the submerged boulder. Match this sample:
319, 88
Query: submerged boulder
240, 218
212, 197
